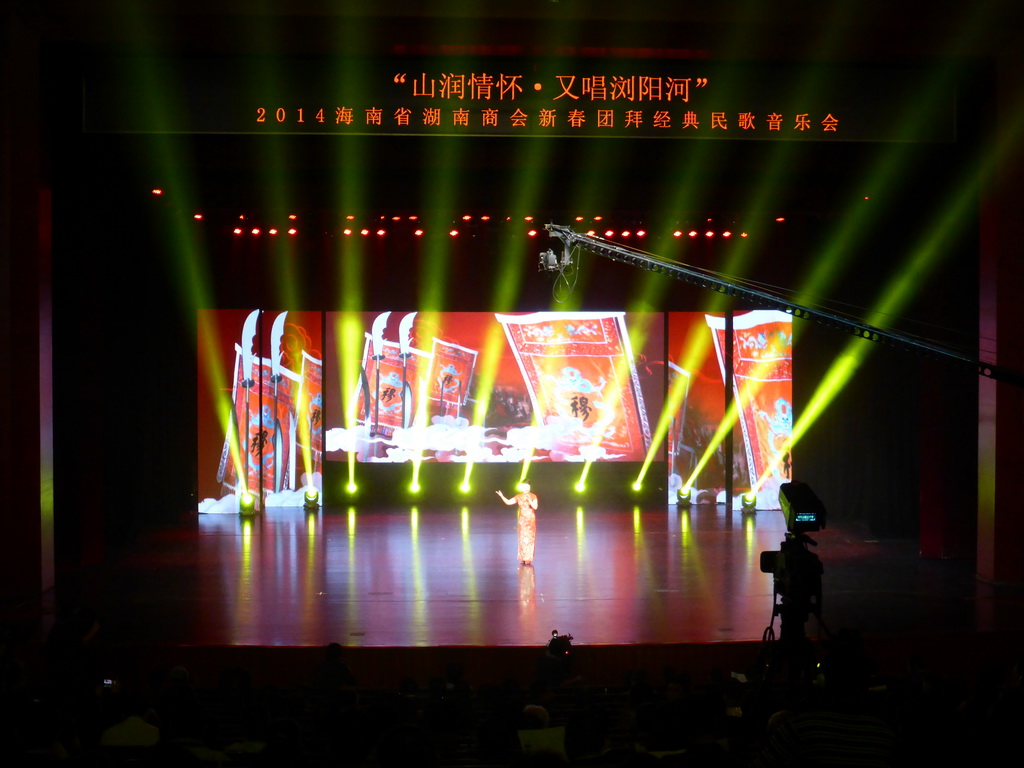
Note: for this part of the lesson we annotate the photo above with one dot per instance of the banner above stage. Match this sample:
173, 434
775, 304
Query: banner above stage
597, 97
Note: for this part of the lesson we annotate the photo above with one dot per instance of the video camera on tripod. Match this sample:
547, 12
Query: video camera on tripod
797, 571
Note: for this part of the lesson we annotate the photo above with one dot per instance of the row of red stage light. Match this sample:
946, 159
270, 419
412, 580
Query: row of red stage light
454, 232
381, 231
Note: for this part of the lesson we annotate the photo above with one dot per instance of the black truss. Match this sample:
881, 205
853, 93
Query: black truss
626, 255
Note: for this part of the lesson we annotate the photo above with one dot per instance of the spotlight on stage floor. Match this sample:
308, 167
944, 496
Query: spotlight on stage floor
311, 500
749, 501
683, 496
246, 504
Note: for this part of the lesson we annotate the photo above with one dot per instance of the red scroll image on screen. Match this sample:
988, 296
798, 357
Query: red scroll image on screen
762, 383
269, 414
480, 387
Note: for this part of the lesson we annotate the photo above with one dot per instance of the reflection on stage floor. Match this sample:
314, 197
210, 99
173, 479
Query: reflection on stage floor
449, 577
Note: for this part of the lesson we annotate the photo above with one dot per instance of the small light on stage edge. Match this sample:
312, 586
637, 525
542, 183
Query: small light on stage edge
246, 503
311, 499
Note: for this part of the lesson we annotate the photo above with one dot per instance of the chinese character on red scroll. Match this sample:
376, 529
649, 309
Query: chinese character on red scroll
582, 378
390, 378
273, 440
451, 374
261, 421
386, 395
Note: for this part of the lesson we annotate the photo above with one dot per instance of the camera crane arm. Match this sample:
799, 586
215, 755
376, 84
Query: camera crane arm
550, 262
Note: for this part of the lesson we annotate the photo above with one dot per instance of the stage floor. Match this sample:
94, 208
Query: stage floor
408, 577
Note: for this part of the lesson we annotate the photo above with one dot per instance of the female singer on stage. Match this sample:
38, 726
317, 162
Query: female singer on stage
527, 521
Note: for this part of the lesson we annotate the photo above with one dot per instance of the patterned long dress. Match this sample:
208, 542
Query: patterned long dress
527, 525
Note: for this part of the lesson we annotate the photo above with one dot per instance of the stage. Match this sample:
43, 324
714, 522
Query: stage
406, 590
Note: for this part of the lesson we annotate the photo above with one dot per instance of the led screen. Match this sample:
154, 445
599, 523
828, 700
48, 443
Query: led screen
762, 389
260, 406
493, 387
279, 391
